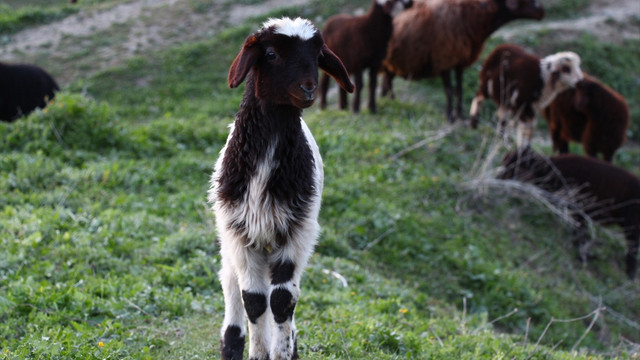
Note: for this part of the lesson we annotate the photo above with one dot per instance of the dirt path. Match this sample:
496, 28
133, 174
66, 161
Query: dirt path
610, 20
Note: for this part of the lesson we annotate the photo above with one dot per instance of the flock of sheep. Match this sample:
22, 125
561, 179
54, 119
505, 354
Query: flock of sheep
435, 37
267, 183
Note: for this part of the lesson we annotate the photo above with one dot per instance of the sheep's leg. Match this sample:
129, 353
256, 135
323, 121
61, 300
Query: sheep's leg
233, 328
324, 87
632, 235
524, 131
343, 98
560, 145
448, 90
458, 71
356, 94
590, 148
387, 85
250, 268
503, 119
475, 109
287, 265
373, 83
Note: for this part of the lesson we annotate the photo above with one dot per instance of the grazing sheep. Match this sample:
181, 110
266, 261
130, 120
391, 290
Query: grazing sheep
266, 186
522, 84
361, 43
607, 194
593, 114
24, 88
437, 36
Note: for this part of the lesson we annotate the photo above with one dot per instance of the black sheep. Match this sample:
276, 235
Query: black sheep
23, 89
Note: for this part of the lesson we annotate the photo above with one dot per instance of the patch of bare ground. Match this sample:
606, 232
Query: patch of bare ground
608, 20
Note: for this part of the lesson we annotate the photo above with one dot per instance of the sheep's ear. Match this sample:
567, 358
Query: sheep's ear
332, 65
243, 62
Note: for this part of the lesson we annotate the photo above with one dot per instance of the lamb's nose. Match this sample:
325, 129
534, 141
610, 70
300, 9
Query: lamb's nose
309, 87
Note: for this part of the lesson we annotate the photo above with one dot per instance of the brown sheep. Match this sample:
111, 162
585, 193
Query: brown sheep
593, 114
361, 43
522, 84
608, 194
437, 36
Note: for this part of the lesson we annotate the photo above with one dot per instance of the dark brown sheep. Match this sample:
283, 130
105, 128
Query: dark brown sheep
361, 43
522, 84
608, 194
592, 114
437, 36
24, 88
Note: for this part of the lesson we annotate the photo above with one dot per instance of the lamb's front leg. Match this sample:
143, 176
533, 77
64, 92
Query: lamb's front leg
287, 265
285, 292
233, 328
254, 282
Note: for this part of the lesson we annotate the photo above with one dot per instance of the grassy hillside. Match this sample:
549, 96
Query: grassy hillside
110, 252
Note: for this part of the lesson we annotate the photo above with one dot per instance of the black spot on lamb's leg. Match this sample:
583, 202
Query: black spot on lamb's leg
282, 272
282, 305
232, 344
255, 305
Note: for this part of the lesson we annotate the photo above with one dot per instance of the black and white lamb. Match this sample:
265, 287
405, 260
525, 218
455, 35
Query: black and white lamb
267, 184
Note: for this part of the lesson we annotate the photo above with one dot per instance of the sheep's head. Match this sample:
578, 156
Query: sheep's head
394, 7
525, 9
561, 70
523, 164
284, 57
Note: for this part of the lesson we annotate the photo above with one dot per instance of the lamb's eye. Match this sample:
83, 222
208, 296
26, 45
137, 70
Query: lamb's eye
566, 69
271, 55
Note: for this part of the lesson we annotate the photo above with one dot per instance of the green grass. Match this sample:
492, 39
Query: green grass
109, 251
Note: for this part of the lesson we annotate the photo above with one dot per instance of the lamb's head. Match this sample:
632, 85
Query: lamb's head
394, 7
523, 9
561, 70
283, 59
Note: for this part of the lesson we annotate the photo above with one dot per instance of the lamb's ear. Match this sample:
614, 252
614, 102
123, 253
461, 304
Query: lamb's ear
243, 62
332, 65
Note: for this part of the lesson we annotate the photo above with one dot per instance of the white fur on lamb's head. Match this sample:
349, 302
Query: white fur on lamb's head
566, 64
299, 27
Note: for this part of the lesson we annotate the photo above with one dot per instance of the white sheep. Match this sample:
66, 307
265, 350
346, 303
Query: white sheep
267, 184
